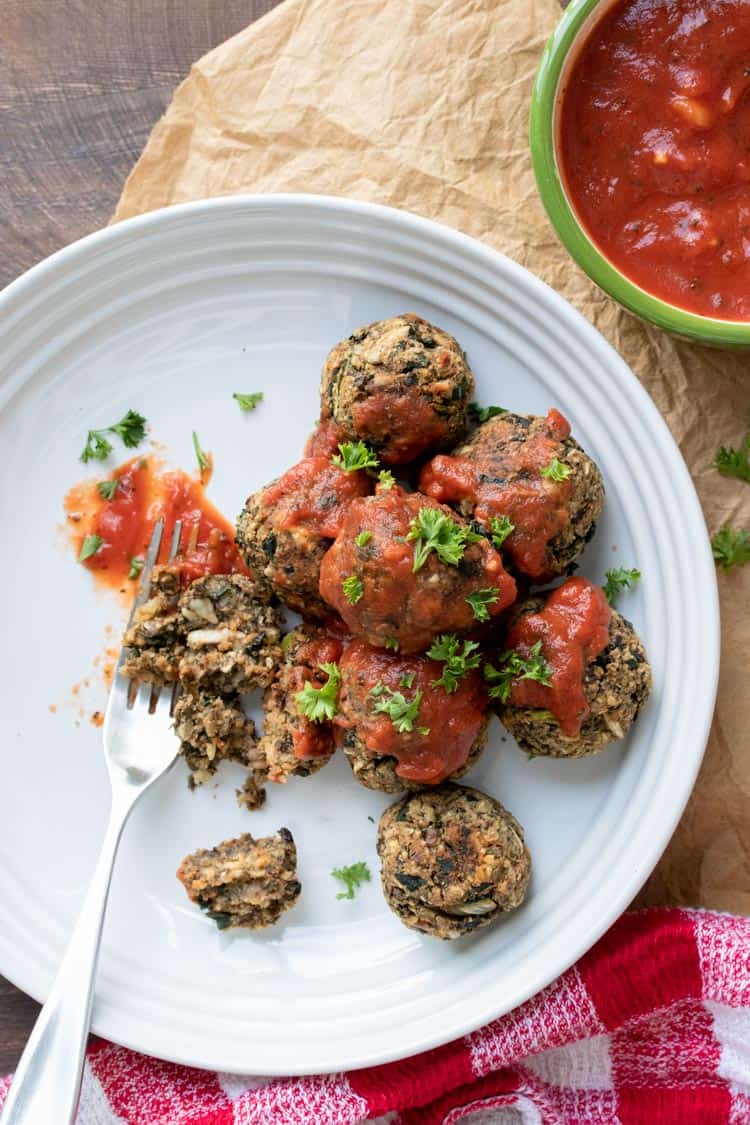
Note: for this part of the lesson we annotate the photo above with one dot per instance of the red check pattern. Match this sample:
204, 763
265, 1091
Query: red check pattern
651, 1027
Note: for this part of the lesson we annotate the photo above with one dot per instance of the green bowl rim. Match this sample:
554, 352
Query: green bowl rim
708, 330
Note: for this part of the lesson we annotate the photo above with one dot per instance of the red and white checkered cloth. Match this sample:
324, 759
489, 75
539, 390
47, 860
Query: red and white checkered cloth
651, 1027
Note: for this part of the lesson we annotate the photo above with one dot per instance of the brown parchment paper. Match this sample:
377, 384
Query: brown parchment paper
423, 104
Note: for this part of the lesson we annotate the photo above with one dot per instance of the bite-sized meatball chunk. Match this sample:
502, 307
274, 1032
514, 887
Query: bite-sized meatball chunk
155, 637
286, 528
212, 729
408, 721
404, 569
294, 745
452, 860
528, 472
401, 385
233, 638
589, 675
243, 882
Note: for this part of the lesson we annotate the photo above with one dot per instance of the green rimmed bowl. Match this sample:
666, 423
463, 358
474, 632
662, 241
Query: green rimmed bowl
559, 55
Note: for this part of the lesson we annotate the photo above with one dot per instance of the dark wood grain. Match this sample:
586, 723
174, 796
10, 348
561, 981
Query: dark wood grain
81, 84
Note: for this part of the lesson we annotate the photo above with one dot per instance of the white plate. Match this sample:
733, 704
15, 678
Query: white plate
169, 314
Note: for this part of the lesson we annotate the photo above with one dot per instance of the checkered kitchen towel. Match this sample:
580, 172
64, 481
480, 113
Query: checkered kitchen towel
652, 1027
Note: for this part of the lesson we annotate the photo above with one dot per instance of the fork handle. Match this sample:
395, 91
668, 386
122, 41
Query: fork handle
47, 1082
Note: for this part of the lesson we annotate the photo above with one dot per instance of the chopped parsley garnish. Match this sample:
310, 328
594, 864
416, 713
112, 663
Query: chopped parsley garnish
500, 529
107, 488
248, 402
513, 666
432, 530
363, 538
320, 704
483, 413
458, 660
391, 643
353, 456
407, 681
200, 456
556, 470
619, 579
89, 547
479, 601
136, 566
352, 877
731, 547
386, 479
353, 588
731, 462
131, 428
402, 712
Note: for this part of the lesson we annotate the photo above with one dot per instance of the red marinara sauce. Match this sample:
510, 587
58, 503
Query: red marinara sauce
125, 523
316, 495
655, 148
313, 740
446, 726
573, 627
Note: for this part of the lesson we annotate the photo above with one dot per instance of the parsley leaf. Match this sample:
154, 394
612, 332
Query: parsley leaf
402, 712
363, 538
479, 413
556, 470
457, 661
407, 680
248, 402
434, 531
386, 479
619, 579
500, 529
320, 704
354, 455
136, 566
479, 601
97, 448
517, 667
352, 877
731, 462
353, 588
392, 644
107, 488
89, 547
131, 428
731, 547
200, 456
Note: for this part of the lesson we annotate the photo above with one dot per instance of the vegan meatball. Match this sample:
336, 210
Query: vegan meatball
401, 385
294, 745
243, 882
287, 527
452, 860
574, 675
155, 638
404, 569
409, 721
212, 729
527, 483
232, 637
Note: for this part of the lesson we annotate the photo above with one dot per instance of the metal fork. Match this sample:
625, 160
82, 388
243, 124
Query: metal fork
138, 749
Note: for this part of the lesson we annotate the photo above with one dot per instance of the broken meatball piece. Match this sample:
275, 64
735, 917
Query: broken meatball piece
452, 860
406, 721
213, 729
243, 882
155, 638
401, 385
232, 638
404, 569
574, 674
525, 481
287, 527
293, 744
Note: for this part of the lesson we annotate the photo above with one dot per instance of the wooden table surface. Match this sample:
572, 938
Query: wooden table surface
81, 84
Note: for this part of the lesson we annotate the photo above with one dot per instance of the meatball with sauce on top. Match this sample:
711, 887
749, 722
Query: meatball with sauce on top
409, 721
155, 638
403, 569
452, 860
573, 676
401, 385
528, 484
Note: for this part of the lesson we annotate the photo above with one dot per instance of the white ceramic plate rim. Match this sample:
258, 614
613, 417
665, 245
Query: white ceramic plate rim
668, 801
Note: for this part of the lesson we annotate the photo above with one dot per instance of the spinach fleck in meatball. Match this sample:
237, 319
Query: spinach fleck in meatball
243, 882
232, 637
404, 569
529, 471
155, 637
292, 744
287, 527
452, 860
212, 729
401, 385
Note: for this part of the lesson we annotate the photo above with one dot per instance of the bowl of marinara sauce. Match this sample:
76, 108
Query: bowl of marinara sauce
640, 139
